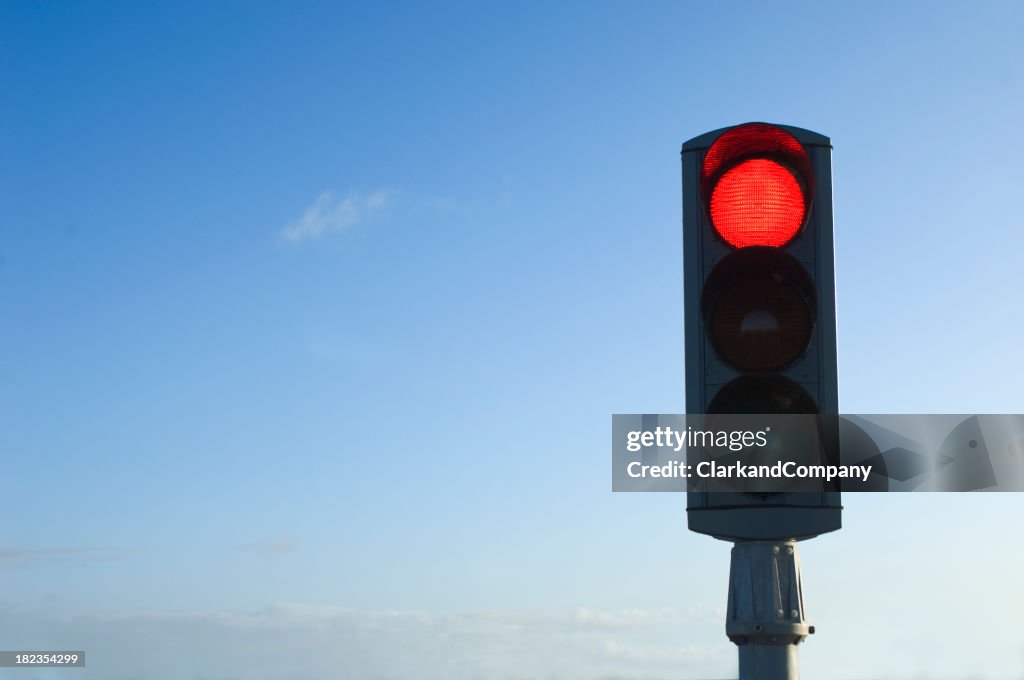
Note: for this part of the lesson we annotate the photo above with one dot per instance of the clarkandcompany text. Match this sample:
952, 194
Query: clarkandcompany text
780, 470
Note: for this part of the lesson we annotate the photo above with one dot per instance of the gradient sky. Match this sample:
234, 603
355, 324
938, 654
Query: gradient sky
313, 316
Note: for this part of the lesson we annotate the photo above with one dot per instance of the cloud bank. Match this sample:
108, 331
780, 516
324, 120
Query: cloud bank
303, 642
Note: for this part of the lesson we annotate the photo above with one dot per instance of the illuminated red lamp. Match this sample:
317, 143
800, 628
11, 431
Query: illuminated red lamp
757, 186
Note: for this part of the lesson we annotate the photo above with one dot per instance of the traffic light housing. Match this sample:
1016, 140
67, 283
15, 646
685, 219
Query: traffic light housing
759, 288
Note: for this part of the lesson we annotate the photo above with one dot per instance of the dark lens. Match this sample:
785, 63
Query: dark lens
759, 309
794, 437
773, 395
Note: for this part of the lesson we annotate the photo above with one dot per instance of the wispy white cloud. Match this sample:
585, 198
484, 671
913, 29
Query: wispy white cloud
282, 544
329, 214
17, 557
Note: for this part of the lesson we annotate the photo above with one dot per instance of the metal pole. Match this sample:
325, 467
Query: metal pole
766, 609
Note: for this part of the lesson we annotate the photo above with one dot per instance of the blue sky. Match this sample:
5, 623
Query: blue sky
312, 318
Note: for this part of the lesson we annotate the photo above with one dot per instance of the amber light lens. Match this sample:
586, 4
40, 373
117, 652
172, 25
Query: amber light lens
757, 203
758, 308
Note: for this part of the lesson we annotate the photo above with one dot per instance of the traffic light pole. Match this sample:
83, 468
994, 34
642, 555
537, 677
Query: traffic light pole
766, 610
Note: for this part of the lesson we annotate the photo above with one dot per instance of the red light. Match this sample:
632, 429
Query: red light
757, 182
757, 203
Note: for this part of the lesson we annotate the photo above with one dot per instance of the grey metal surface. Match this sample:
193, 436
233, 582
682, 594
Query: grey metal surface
765, 616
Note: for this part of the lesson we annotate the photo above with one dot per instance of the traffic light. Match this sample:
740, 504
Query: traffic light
759, 288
